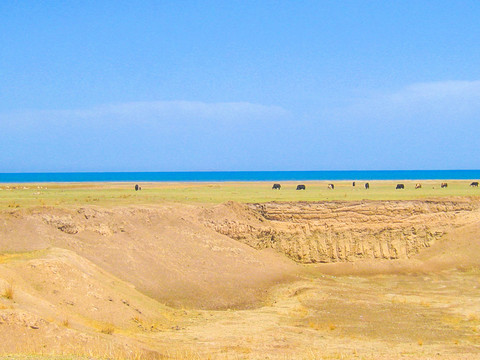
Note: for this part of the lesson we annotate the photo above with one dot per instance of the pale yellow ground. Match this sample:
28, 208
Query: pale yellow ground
101, 271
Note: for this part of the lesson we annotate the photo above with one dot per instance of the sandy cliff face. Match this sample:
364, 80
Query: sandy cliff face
320, 232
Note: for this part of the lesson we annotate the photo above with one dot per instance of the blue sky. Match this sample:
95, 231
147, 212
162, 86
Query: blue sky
239, 85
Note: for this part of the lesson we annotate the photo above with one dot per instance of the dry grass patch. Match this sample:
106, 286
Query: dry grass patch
299, 311
98, 354
148, 325
108, 329
237, 349
8, 292
473, 317
185, 354
12, 256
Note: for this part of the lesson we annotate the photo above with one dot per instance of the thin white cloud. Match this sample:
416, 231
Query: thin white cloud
443, 90
156, 111
181, 108
439, 100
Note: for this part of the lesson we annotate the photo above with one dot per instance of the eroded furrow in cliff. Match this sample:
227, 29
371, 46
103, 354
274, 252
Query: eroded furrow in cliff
313, 232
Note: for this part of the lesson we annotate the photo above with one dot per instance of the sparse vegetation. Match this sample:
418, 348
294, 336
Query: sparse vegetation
153, 193
8, 291
108, 329
425, 303
109, 354
473, 317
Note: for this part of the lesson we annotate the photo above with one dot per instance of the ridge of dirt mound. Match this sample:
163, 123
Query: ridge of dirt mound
324, 232
62, 301
163, 251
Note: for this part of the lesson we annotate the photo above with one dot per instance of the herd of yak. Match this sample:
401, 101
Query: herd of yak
367, 186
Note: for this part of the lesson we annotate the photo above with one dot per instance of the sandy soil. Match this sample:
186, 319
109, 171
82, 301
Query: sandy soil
336, 280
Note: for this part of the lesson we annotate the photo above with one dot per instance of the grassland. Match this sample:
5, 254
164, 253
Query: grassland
121, 194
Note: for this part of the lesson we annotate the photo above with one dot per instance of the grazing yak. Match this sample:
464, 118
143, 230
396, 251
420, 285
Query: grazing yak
353, 184
475, 184
136, 187
443, 185
331, 186
276, 186
418, 186
367, 186
300, 187
400, 186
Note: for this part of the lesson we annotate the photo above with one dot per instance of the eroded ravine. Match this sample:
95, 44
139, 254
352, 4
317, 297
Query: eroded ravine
104, 278
322, 232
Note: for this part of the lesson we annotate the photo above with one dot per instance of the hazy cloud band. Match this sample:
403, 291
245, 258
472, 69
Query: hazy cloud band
156, 111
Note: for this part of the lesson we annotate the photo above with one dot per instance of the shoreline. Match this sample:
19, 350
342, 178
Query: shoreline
359, 182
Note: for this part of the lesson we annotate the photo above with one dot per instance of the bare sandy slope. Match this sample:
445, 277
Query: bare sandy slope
164, 251
62, 302
371, 280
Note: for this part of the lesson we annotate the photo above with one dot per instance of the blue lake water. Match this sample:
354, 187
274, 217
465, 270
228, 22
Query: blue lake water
220, 176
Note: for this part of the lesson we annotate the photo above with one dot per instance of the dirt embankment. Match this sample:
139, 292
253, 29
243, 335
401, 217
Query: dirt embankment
208, 256
324, 232
164, 251
98, 278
